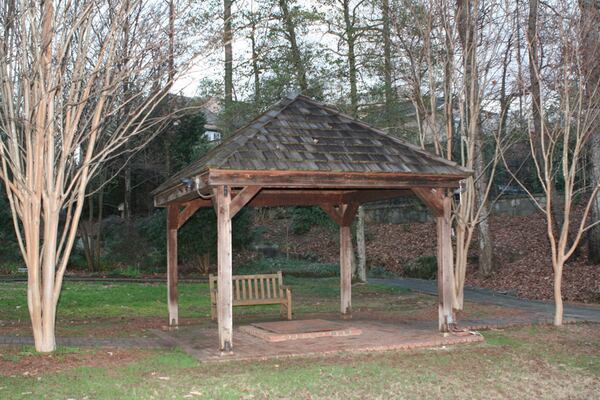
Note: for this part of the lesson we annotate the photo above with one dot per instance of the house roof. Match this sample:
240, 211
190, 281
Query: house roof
211, 108
301, 134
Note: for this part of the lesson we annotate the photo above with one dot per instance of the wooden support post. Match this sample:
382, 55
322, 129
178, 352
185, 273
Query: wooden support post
445, 274
441, 205
172, 226
224, 280
343, 216
345, 271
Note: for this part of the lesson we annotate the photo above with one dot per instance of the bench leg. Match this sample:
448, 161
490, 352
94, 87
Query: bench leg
213, 312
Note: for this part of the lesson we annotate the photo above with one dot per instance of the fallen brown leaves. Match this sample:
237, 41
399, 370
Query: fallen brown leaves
521, 250
524, 265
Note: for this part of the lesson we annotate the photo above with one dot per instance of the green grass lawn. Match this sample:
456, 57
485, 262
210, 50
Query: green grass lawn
538, 363
525, 363
92, 299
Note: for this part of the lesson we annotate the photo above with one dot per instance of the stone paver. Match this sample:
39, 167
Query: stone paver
376, 336
298, 334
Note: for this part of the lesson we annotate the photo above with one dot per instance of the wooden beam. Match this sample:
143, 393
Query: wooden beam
333, 212
224, 280
190, 209
366, 195
445, 274
180, 192
214, 201
343, 215
433, 199
295, 197
330, 180
349, 212
172, 298
242, 198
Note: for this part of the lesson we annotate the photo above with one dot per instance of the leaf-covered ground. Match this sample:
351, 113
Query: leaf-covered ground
521, 251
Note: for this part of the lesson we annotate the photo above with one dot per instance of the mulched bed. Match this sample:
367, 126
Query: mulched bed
521, 249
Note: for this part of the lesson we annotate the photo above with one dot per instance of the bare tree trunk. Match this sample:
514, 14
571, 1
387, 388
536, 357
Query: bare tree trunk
467, 27
127, 194
361, 272
295, 50
536, 99
61, 74
558, 301
448, 93
590, 42
594, 233
227, 42
85, 229
98, 237
255, 67
387, 64
42, 298
351, 41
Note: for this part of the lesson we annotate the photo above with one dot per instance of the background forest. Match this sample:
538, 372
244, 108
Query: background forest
508, 89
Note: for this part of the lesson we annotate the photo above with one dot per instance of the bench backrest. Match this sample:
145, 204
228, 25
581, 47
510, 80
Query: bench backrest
254, 287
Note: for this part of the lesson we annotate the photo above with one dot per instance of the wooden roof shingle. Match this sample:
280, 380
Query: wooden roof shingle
301, 134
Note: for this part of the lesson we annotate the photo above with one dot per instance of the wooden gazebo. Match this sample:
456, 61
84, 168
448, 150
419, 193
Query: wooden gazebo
302, 152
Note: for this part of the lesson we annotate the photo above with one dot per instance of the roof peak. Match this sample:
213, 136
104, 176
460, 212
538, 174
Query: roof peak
299, 133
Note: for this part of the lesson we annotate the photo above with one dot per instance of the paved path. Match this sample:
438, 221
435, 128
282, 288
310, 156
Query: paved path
577, 312
145, 343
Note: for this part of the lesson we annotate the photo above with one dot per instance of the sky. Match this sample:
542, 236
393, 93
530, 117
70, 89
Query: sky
210, 65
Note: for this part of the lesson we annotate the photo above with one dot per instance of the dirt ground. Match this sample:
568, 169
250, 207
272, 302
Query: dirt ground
15, 361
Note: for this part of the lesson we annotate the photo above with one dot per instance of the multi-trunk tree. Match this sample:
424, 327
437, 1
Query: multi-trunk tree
565, 110
590, 50
62, 69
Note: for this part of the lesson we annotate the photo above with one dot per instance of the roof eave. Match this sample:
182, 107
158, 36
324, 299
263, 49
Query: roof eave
181, 192
330, 179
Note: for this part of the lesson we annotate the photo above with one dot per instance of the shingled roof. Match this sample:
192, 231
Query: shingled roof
301, 134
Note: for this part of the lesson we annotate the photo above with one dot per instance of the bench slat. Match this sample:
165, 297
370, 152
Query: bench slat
262, 289
259, 301
253, 292
254, 287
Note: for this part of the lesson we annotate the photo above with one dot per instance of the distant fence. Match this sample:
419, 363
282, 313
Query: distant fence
410, 210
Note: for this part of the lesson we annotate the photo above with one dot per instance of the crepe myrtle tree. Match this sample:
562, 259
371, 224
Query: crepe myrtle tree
565, 111
64, 113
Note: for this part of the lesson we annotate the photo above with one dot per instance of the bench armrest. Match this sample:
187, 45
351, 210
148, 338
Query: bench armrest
285, 287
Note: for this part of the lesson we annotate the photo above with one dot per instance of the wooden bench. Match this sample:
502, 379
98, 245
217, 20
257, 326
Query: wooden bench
250, 290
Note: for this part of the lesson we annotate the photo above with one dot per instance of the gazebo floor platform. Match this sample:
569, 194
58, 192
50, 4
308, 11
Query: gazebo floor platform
281, 331
374, 336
